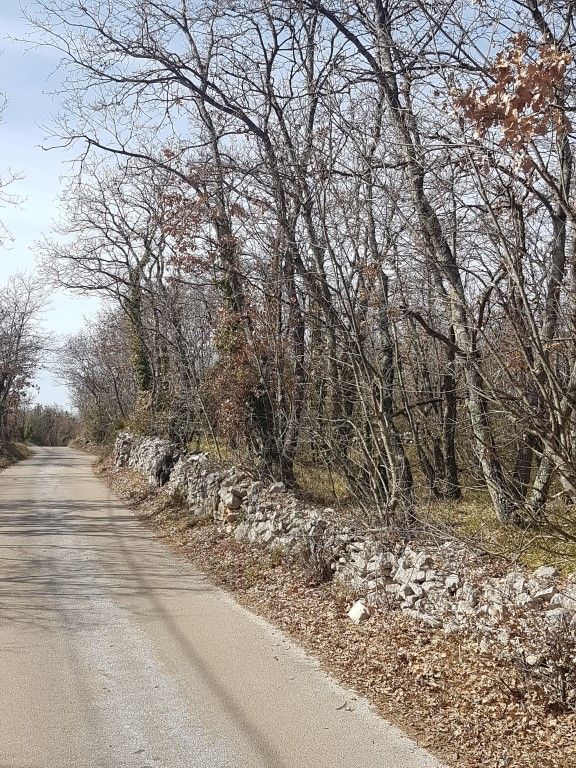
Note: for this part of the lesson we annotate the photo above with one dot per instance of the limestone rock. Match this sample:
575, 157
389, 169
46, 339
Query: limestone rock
545, 572
359, 612
545, 595
425, 618
515, 582
230, 499
452, 582
555, 616
524, 600
405, 590
464, 606
565, 599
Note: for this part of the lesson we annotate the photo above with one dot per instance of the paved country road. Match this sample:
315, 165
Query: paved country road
115, 653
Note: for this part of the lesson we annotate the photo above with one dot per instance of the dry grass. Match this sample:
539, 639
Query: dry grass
321, 485
473, 519
219, 450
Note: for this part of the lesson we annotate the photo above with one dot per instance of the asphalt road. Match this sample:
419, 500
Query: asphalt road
115, 653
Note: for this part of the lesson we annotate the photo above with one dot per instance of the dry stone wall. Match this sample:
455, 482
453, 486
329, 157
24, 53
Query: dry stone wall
529, 617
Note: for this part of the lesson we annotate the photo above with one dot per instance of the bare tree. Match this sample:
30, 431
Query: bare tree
370, 216
21, 346
95, 366
7, 178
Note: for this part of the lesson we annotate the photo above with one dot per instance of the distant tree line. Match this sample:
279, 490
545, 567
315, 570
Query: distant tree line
22, 345
330, 232
49, 425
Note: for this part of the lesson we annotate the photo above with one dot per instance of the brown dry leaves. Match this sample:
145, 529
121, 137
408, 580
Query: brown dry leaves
467, 707
522, 100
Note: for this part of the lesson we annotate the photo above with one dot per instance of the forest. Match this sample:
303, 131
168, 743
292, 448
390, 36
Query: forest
335, 239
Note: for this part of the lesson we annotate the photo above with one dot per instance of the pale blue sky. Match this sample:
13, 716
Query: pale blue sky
28, 77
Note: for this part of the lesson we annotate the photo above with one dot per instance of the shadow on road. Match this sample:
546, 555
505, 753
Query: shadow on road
65, 543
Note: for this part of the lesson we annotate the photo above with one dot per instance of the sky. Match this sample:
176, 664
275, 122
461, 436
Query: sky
29, 80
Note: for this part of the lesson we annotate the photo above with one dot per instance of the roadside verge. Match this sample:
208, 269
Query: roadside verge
13, 453
468, 708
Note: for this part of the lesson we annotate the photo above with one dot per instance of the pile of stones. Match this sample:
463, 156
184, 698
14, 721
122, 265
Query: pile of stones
445, 585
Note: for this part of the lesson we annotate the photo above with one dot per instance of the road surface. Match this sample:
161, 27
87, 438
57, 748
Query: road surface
115, 653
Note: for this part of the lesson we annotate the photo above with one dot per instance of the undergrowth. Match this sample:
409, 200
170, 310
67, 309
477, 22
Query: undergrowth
12, 453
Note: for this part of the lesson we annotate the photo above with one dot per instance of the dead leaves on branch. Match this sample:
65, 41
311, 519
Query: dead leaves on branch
525, 98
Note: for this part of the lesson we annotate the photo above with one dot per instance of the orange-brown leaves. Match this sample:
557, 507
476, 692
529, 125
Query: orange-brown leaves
183, 217
523, 99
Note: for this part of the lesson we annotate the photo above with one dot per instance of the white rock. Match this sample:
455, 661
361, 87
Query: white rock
360, 565
452, 582
230, 499
382, 563
555, 616
496, 612
545, 572
359, 612
533, 586
524, 600
450, 626
469, 594
241, 530
465, 608
422, 561
493, 594
416, 589
373, 598
400, 575
485, 646
419, 577
516, 582
450, 592
405, 590
565, 599
426, 618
